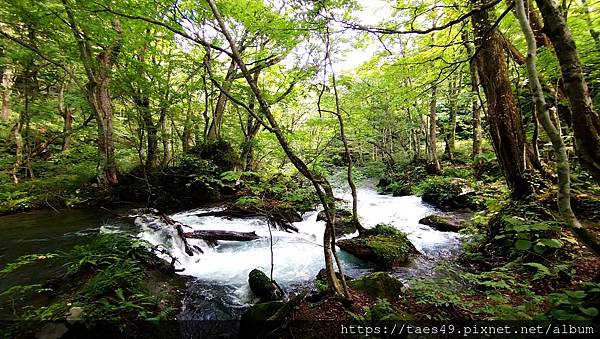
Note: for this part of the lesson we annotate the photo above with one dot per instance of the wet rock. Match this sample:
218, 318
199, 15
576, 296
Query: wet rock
263, 287
288, 213
385, 246
440, 223
378, 285
322, 275
343, 222
262, 311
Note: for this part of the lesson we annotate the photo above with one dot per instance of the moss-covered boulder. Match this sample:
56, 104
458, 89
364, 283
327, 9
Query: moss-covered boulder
262, 311
263, 287
378, 285
385, 246
440, 223
343, 222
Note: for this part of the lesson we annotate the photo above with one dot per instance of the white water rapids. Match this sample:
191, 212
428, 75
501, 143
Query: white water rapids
298, 257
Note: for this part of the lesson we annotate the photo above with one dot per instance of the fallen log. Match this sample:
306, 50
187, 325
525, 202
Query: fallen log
180, 233
234, 212
213, 235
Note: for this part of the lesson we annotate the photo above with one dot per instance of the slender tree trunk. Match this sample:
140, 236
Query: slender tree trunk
588, 19
186, 138
143, 104
434, 163
553, 132
166, 138
6, 88
214, 131
338, 114
320, 184
506, 128
586, 123
451, 132
67, 115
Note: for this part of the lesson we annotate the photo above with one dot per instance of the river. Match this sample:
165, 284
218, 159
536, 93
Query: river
218, 287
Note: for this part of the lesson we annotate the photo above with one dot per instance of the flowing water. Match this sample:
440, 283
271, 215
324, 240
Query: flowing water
219, 288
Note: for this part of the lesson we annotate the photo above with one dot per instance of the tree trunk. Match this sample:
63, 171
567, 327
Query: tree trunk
552, 130
338, 114
504, 118
67, 115
98, 92
586, 123
476, 108
450, 136
214, 131
320, 184
6, 88
186, 138
434, 163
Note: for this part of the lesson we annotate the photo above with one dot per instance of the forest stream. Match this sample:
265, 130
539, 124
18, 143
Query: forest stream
218, 288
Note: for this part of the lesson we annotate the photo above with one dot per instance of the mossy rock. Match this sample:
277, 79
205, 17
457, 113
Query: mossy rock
384, 245
262, 311
263, 287
343, 222
378, 285
439, 223
288, 213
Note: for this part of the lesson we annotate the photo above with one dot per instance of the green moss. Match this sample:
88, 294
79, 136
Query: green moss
384, 245
378, 285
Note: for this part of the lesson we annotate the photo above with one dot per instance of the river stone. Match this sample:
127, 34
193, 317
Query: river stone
378, 285
385, 246
263, 287
439, 223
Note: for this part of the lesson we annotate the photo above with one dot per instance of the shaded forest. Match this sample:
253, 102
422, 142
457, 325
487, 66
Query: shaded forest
485, 111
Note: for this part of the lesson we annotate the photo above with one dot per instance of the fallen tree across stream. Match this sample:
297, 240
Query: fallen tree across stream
213, 235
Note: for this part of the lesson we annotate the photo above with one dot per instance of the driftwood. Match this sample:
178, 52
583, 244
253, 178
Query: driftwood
213, 235
179, 227
236, 212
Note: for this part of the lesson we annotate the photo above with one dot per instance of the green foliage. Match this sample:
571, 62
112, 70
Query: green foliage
575, 305
105, 279
382, 311
438, 190
25, 260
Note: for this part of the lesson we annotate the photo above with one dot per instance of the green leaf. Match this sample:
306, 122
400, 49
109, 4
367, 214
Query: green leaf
554, 243
590, 311
523, 245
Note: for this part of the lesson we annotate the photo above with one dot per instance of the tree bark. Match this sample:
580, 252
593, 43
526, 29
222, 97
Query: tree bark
67, 115
504, 118
586, 123
551, 128
6, 88
434, 163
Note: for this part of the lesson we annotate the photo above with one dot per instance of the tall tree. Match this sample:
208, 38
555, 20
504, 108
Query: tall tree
98, 67
434, 162
504, 117
586, 122
553, 132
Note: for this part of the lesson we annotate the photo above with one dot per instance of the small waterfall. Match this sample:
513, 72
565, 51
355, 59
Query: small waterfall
221, 272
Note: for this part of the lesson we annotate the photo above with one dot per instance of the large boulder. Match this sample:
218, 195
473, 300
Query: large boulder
385, 246
440, 223
343, 221
263, 287
378, 285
